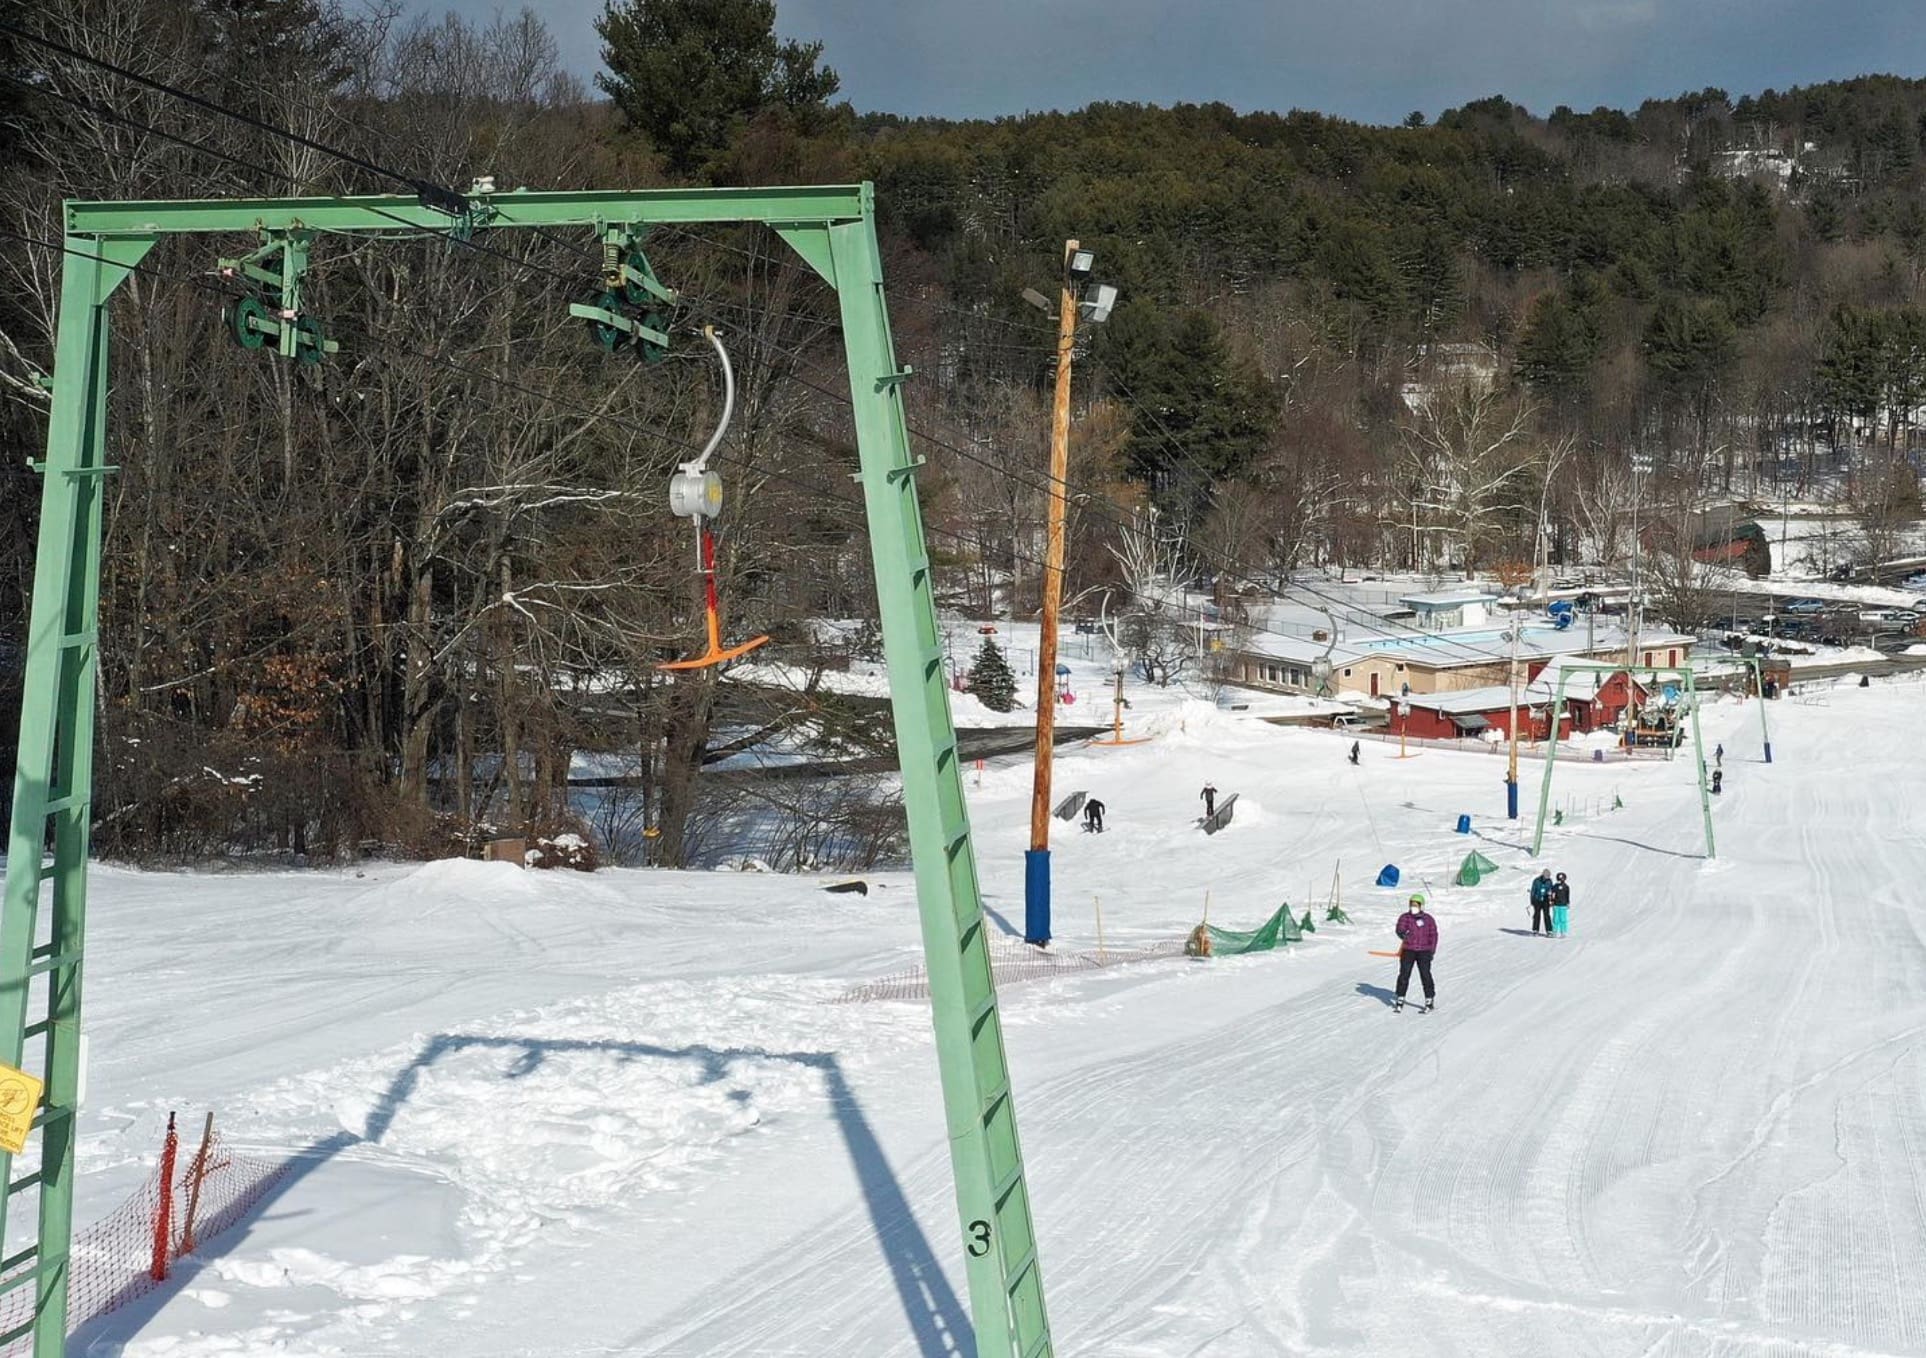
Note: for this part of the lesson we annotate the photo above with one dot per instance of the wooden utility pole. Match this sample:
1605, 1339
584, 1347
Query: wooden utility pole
1036, 875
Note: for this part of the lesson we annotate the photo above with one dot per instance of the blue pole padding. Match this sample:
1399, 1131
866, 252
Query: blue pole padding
1768, 749
1036, 896
1511, 798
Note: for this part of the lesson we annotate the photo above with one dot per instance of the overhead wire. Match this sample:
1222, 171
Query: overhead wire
842, 503
848, 511
423, 187
1237, 569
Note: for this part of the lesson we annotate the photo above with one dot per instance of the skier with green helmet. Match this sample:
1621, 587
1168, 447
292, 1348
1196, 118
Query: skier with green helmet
1418, 933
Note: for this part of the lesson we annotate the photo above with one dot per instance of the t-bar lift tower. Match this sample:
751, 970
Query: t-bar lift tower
43, 925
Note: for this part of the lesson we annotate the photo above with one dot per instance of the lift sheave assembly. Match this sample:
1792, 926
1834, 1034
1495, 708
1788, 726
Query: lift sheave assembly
695, 493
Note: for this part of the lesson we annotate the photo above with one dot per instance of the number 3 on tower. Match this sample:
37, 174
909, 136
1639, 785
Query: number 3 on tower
979, 1239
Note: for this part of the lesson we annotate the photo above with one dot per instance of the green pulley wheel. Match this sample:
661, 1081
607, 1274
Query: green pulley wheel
607, 335
238, 314
307, 341
651, 351
634, 291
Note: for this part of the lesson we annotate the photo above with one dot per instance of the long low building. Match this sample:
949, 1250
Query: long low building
1594, 699
1392, 664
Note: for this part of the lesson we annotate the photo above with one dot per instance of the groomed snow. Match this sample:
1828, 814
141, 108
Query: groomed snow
548, 1113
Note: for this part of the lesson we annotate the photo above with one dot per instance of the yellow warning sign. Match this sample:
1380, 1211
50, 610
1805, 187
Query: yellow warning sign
19, 1101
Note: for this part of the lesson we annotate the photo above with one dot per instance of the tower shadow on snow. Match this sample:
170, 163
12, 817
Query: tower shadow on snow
998, 918
1638, 844
936, 1316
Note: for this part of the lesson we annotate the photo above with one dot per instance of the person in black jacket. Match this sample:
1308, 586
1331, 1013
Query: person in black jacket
1561, 900
1093, 815
1541, 902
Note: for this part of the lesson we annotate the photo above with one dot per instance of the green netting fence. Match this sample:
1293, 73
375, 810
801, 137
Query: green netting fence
1278, 929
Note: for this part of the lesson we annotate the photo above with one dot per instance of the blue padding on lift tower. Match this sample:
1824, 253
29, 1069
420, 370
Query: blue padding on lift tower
1036, 896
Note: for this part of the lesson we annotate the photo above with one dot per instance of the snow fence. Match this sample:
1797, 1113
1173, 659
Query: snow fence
1279, 928
192, 1195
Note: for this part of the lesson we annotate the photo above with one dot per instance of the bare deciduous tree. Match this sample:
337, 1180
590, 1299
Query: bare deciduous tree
1465, 452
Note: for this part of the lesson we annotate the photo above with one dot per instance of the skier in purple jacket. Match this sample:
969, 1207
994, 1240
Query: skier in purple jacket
1418, 932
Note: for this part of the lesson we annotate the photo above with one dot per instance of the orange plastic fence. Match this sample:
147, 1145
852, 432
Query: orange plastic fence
128, 1253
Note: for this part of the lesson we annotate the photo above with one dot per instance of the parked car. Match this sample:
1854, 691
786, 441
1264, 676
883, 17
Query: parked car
1806, 606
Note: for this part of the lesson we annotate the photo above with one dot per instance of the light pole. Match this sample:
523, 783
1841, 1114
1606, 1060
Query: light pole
1511, 769
1096, 303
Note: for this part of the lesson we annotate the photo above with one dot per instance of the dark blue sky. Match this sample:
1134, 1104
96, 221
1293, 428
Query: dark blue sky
1367, 59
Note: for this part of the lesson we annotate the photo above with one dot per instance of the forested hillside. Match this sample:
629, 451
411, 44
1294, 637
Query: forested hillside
374, 600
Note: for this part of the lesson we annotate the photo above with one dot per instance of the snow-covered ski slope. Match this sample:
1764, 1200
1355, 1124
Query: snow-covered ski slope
546, 1114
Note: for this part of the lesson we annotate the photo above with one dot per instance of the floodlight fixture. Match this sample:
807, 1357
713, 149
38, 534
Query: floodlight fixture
1081, 263
1037, 300
1098, 301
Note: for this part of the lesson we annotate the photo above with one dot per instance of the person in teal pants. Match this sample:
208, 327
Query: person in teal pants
1561, 898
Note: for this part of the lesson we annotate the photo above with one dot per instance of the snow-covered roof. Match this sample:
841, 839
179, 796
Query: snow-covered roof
1302, 649
1449, 598
1456, 649
1490, 698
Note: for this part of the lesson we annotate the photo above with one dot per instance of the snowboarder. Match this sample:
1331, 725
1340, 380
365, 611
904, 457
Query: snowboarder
1541, 902
1093, 816
1209, 794
1561, 901
1354, 752
1718, 756
1418, 933
1718, 781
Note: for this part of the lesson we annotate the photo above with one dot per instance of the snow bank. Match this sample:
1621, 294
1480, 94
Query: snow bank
470, 880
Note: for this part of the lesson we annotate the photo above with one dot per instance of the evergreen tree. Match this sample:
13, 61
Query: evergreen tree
991, 678
1199, 414
690, 73
1561, 341
1848, 372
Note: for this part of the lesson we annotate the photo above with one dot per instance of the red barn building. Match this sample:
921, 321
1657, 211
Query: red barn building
1593, 698
1471, 712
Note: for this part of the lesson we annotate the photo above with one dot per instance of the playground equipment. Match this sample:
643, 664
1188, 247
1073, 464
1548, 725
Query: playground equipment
695, 493
43, 924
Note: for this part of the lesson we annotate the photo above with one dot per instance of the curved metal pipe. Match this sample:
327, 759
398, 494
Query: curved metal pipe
701, 464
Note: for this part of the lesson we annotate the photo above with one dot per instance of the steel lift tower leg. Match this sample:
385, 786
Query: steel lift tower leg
42, 927
1006, 1289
